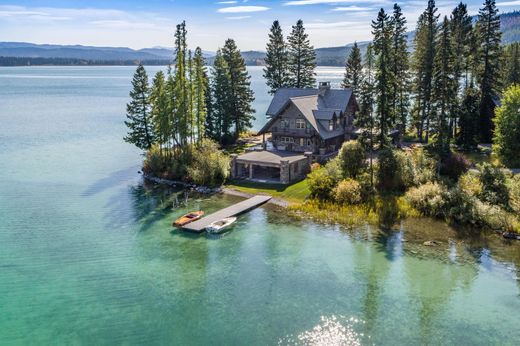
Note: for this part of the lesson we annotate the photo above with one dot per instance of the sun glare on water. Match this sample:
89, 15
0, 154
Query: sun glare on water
331, 330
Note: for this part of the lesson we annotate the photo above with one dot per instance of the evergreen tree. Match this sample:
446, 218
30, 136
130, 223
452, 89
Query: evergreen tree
444, 87
181, 96
302, 58
240, 93
423, 67
160, 113
140, 128
218, 121
364, 119
353, 70
275, 71
382, 32
200, 88
468, 120
511, 73
488, 39
461, 36
399, 67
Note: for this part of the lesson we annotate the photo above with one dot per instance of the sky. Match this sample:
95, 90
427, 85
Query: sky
150, 23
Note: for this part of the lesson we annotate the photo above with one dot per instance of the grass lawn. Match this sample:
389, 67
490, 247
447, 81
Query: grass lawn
295, 193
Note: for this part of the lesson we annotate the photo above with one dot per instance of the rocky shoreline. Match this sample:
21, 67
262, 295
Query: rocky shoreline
208, 190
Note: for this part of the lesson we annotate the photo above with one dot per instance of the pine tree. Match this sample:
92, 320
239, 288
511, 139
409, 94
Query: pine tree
399, 67
461, 35
353, 70
511, 73
506, 140
240, 91
218, 121
424, 55
382, 32
160, 112
181, 97
200, 88
488, 39
461, 28
468, 120
275, 71
444, 87
302, 58
139, 123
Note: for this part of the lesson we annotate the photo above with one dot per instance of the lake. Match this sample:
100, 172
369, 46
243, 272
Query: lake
88, 256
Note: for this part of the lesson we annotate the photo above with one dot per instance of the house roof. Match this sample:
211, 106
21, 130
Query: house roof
271, 157
313, 104
331, 98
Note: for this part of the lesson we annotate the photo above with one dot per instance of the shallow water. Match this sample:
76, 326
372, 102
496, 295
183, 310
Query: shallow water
87, 254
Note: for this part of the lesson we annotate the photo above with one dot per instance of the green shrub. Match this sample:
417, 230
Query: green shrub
494, 188
320, 184
209, 165
460, 207
470, 183
514, 194
454, 165
395, 171
161, 163
348, 191
424, 166
507, 128
427, 199
352, 158
333, 170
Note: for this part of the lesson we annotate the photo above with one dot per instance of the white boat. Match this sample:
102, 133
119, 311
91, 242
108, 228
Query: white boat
220, 225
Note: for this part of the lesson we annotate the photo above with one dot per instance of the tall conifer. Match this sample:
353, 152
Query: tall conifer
139, 123
424, 55
382, 32
488, 39
353, 70
275, 71
444, 87
240, 92
302, 58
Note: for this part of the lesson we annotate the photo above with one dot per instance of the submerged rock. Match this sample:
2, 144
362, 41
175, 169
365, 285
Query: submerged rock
431, 243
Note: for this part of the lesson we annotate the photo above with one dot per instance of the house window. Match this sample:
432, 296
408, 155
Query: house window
287, 140
300, 123
331, 125
302, 142
284, 124
309, 142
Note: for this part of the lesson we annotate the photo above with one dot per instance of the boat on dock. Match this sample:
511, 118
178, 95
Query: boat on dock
188, 218
221, 225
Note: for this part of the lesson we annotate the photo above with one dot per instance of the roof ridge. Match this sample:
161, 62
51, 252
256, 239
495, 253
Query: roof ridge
303, 96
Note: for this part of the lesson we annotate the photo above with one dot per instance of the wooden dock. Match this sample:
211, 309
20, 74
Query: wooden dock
233, 210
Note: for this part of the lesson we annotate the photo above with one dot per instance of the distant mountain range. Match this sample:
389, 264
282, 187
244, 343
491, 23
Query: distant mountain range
21, 53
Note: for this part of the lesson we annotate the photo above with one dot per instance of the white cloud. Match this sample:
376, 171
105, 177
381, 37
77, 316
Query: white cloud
238, 17
226, 2
318, 2
509, 3
351, 9
242, 9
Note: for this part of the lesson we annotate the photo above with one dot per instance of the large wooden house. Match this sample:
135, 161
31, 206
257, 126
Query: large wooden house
305, 125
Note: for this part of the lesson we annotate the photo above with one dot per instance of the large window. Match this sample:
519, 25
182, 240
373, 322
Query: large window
284, 124
287, 140
331, 125
300, 124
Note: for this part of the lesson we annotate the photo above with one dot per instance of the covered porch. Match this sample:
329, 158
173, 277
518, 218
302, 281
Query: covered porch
271, 166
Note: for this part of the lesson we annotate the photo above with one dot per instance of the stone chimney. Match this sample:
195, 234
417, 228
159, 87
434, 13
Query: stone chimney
323, 87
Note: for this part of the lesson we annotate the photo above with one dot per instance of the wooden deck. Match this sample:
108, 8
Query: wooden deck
233, 210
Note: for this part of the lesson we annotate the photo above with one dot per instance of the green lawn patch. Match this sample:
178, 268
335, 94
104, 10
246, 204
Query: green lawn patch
295, 193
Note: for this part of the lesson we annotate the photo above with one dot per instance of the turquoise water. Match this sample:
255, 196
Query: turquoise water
87, 254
